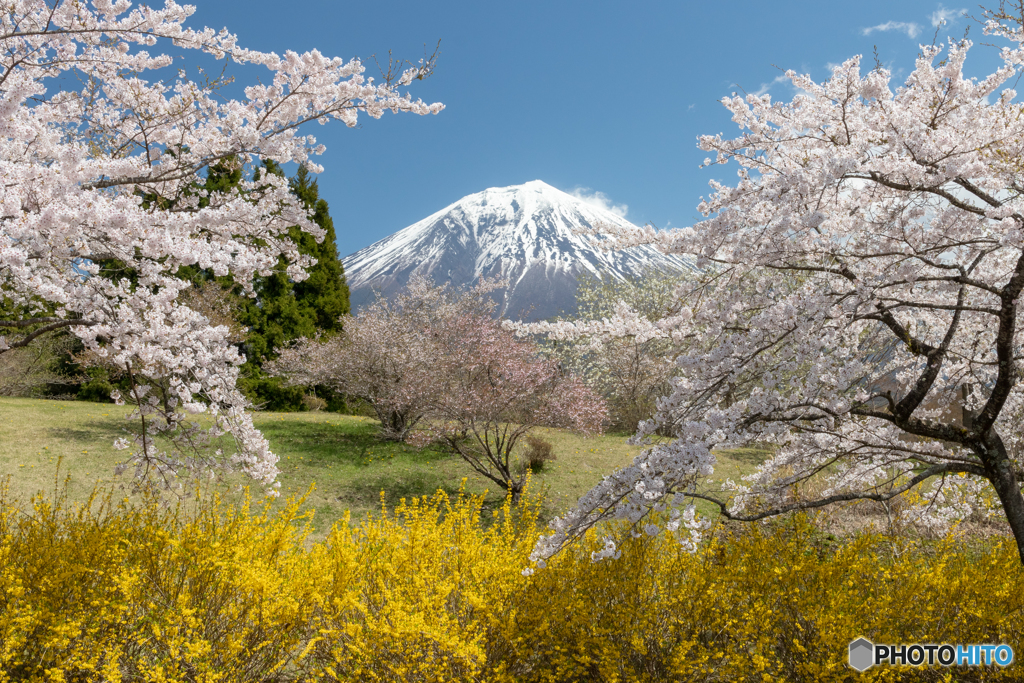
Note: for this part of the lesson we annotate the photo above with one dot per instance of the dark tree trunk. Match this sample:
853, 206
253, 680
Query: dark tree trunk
1004, 481
394, 424
515, 489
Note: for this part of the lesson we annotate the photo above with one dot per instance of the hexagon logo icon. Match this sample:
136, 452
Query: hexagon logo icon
862, 654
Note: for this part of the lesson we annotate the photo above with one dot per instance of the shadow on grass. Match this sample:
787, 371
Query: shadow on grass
365, 491
88, 430
327, 445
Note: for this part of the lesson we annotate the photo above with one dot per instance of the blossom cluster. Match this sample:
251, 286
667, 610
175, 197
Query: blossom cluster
435, 365
434, 591
857, 305
99, 204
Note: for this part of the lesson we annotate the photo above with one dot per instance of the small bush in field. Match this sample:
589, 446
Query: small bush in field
314, 403
538, 453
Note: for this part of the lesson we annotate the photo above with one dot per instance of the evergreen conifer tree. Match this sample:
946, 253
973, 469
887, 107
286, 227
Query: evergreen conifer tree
285, 310
282, 310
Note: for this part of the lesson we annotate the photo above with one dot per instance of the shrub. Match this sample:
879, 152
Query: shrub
538, 453
434, 590
314, 402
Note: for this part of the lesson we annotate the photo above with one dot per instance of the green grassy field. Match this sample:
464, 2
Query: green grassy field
339, 454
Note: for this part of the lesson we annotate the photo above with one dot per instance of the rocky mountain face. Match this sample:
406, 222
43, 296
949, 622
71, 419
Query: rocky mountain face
523, 233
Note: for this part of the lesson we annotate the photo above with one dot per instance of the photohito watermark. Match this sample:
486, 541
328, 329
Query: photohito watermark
864, 654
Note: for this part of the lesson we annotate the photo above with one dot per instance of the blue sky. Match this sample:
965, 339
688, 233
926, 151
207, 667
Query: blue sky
596, 96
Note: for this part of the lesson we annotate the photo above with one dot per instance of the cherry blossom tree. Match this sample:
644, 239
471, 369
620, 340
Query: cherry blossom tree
106, 173
490, 390
630, 371
437, 366
384, 355
858, 304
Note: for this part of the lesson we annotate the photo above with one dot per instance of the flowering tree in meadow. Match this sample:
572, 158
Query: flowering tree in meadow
107, 174
867, 269
491, 389
383, 355
630, 371
434, 358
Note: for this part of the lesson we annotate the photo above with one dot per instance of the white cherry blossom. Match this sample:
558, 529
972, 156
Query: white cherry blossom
101, 149
857, 307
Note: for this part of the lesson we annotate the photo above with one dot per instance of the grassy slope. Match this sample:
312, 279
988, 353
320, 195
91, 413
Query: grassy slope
339, 453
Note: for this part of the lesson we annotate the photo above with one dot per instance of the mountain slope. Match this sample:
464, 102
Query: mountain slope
523, 233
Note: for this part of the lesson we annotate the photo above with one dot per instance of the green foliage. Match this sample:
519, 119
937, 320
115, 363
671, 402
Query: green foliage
269, 393
97, 386
284, 310
324, 293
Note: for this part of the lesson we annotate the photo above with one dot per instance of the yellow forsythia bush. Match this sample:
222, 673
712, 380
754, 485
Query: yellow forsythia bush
434, 591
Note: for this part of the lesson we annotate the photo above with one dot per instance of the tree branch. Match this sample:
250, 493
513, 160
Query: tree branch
842, 497
27, 339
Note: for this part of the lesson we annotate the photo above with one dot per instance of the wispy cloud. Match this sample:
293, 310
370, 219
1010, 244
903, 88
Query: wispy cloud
765, 87
944, 15
691, 107
910, 28
600, 199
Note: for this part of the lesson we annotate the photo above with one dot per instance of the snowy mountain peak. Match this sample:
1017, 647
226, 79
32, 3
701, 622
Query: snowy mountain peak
523, 233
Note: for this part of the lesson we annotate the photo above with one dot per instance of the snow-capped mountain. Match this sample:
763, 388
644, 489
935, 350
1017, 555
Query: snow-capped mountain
523, 233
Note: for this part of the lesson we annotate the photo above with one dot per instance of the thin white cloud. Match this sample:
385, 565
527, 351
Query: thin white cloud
595, 198
908, 27
765, 87
944, 15
691, 107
